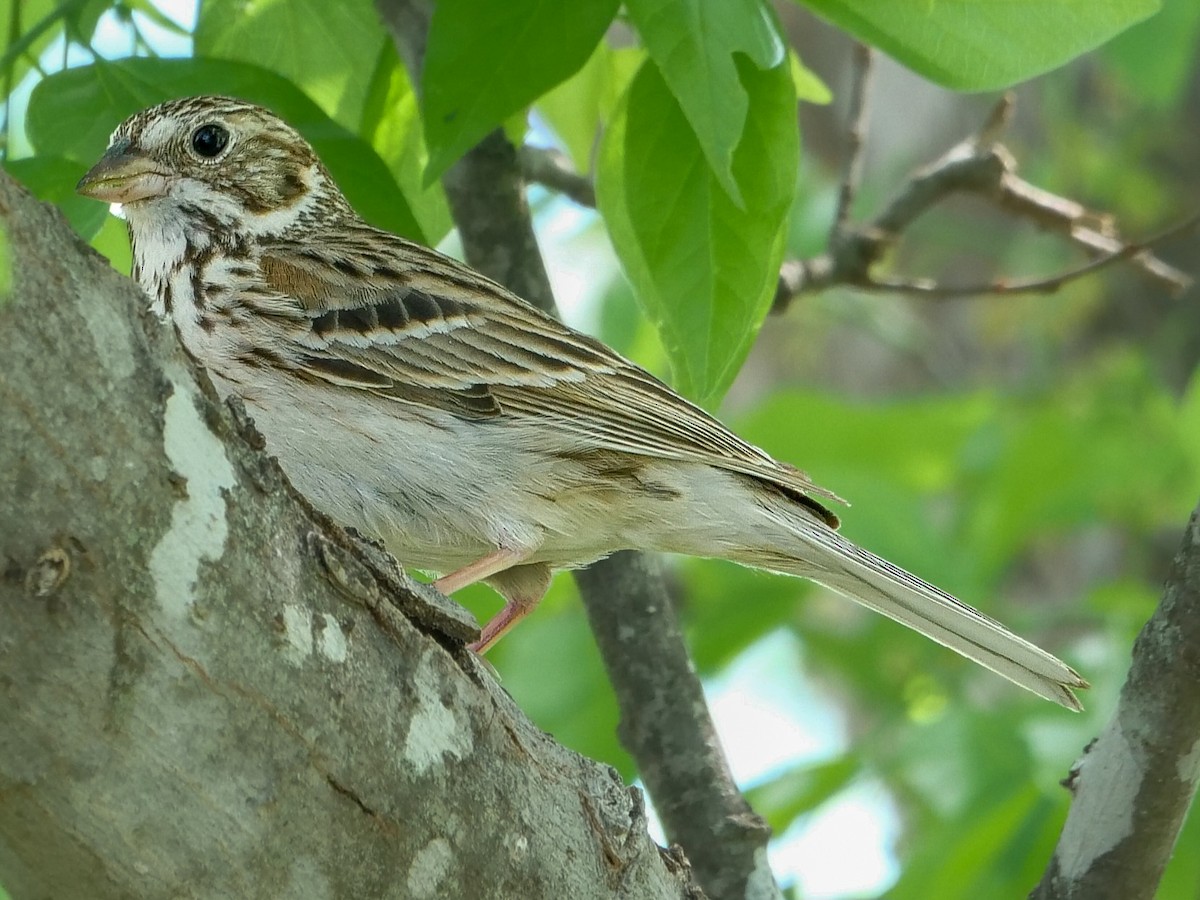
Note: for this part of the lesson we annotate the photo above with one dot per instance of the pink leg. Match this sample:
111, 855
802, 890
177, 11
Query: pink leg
479, 570
522, 587
514, 611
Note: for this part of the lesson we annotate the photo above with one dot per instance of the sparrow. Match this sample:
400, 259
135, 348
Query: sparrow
474, 435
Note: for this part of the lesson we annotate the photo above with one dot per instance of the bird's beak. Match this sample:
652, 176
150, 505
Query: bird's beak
124, 176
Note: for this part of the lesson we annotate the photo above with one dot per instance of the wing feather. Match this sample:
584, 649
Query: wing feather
415, 326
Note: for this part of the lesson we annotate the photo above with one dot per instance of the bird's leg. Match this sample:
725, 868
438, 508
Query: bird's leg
479, 570
522, 586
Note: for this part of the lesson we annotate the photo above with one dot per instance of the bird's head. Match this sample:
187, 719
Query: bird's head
214, 163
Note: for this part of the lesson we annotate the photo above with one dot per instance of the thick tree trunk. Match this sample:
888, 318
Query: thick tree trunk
204, 689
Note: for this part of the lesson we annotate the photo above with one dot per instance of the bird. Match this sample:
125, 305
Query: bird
477, 437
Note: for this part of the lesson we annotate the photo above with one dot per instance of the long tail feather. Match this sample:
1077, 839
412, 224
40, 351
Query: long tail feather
831, 560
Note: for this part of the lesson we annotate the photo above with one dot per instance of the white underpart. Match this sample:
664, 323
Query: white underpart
161, 243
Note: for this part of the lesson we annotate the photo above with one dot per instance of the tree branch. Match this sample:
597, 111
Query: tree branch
623, 594
859, 117
208, 693
1134, 784
978, 165
551, 169
665, 727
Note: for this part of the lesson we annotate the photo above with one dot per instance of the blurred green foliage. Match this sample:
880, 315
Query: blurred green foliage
1036, 455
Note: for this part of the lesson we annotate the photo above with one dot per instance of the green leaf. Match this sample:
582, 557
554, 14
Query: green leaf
53, 179
994, 852
392, 124
1106, 446
157, 16
694, 44
324, 48
82, 18
809, 86
720, 622
72, 113
980, 45
486, 61
703, 269
1156, 57
39, 23
578, 107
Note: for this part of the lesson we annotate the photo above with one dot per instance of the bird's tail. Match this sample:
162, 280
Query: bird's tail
827, 558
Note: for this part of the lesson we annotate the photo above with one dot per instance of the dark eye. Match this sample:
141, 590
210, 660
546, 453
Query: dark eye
209, 140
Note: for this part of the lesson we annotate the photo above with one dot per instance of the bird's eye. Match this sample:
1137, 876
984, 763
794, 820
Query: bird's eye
209, 140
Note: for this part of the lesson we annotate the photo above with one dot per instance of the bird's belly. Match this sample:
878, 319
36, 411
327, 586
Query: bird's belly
441, 492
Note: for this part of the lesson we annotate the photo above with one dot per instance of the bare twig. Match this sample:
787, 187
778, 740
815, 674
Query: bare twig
1095, 234
978, 165
983, 166
1048, 285
551, 169
856, 141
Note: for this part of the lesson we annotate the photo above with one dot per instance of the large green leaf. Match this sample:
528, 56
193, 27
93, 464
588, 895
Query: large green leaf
578, 107
995, 852
978, 45
325, 48
694, 43
486, 61
72, 113
392, 123
704, 269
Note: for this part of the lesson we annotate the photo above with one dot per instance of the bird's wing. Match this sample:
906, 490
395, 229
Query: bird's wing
407, 323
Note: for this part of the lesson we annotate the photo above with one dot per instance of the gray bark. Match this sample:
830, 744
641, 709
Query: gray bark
1134, 785
204, 689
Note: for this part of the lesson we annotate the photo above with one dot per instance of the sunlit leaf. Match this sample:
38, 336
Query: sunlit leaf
978, 45
486, 61
809, 86
695, 45
704, 269
392, 124
577, 108
324, 48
